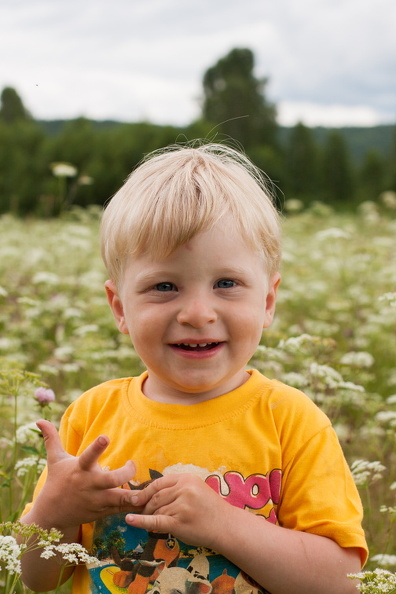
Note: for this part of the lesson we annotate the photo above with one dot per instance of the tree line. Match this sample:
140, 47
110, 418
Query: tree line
45, 168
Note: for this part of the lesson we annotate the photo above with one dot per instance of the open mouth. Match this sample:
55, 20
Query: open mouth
204, 346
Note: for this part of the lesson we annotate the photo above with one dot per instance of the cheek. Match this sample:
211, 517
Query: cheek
144, 327
249, 325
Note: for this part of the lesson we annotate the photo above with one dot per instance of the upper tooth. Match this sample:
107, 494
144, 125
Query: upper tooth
203, 344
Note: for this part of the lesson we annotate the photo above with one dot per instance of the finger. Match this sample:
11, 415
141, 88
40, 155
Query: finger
52, 442
156, 523
92, 453
119, 476
157, 503
143, 496
118, 501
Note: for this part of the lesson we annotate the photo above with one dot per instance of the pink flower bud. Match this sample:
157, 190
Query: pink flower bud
44, 396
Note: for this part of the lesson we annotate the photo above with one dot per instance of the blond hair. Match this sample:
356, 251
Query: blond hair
178, 192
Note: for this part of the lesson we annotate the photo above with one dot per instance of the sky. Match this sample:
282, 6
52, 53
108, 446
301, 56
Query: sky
328, 62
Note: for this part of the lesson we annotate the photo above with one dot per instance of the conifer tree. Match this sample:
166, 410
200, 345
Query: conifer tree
235, 102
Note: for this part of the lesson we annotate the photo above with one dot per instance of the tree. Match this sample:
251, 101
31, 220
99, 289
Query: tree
372, 175
12, 109
337, 180
235, 103
390, 175
23, 166
301, 163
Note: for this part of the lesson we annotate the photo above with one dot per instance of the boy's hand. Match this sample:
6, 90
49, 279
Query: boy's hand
77, 490
183, 505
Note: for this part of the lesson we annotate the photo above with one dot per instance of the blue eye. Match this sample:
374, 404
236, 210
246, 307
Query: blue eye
163, 287
225, 283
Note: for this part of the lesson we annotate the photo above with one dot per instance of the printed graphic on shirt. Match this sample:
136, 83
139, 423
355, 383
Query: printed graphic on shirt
134, 561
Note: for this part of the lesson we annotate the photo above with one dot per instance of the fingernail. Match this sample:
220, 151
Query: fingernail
135, 499
102, 440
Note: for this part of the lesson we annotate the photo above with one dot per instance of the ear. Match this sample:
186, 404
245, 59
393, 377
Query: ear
270, 301
116, 306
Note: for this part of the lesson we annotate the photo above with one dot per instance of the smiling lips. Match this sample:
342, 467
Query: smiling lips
197, 347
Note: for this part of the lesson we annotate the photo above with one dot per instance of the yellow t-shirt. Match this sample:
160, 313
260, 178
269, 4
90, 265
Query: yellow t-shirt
264, 447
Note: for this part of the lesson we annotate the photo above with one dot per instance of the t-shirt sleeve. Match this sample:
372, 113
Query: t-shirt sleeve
319, 494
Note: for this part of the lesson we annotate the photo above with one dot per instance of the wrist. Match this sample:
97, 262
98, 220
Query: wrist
44, 521
220, 531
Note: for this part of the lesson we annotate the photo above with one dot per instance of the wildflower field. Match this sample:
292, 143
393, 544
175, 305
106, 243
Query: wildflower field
333, 337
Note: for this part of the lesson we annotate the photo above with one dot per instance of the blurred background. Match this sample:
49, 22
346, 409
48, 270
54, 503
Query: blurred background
306, 88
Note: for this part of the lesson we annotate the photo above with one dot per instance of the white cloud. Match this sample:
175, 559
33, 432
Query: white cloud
312, 114
327, 60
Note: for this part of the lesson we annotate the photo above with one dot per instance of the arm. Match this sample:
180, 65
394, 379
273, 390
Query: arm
77, 491
281, 560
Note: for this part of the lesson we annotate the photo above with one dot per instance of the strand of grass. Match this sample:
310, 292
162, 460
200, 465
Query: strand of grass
14, 456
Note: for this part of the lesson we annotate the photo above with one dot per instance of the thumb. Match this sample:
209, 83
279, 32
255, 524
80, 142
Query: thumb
52, 441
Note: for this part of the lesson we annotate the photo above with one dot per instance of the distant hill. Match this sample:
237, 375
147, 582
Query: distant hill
359, 139
53, 127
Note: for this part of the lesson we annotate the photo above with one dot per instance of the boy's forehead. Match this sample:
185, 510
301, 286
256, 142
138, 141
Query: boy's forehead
221, 247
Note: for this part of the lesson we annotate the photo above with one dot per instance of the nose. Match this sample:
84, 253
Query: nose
196, 312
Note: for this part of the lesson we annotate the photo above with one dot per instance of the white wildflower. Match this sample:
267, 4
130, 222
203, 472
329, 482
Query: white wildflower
297, 380
388, 199
71, 367
320, 208
384, 509
6, 344
358, 359
10, 553
343, 431
391, 399
5, 443
351, 386
3, 292
48, 552
27, 301
23, 466
368, 209
75, 554
365, 472
296, 343
267, 353
87, 329
72, 312
388, 298
332, 233
50, 369
327, 374
63, 352
379, 580
384, 560
393, 486
27, 434
48, 278
63, 170
386, 416
85, 180
293, 205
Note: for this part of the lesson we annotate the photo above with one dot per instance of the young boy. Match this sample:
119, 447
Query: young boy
238, 483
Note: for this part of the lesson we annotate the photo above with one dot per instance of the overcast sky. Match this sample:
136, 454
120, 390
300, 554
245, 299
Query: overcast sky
329, 62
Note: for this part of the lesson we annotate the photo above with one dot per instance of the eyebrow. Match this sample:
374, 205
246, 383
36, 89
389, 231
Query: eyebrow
164, 273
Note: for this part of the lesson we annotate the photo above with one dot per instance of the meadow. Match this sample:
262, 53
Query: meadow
333, 337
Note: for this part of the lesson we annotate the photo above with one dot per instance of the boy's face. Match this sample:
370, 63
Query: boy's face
196, 317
